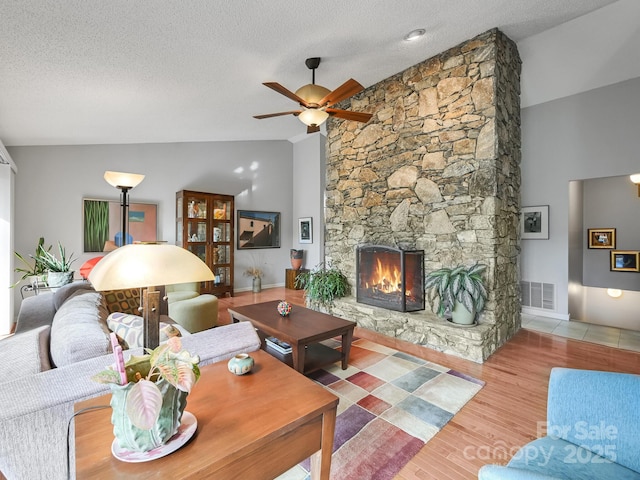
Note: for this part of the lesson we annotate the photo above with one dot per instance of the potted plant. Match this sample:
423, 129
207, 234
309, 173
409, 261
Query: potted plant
36, 273
149, 393
256, 273
460, 289
323, 285
59, 269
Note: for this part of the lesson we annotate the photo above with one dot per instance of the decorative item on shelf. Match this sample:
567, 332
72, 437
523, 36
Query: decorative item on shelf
284, 308
149, 393
217, 234
59, 271
147, 266
256, 273
240, 364
323, 285
296, 258
460, 290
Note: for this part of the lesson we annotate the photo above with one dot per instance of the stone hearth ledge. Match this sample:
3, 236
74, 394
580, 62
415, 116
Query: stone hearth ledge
423, 328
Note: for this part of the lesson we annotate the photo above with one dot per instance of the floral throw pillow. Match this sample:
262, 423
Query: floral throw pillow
128, 329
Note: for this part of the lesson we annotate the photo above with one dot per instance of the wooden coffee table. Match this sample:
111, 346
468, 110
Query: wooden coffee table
255, 426
303, 329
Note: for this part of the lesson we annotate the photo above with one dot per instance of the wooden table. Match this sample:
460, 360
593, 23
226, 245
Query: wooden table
303, 329
255, 426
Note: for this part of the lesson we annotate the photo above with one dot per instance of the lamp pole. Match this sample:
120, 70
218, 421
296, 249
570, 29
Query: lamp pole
125, 208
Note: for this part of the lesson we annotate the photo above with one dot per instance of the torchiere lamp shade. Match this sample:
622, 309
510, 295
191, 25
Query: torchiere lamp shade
147, 265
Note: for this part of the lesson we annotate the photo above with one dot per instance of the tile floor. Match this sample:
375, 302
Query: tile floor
610, 336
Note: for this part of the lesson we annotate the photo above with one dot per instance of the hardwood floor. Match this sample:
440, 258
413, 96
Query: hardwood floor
505, 414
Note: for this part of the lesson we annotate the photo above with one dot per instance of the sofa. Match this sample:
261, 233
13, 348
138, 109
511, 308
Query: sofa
592, 431
188, 308
61, 341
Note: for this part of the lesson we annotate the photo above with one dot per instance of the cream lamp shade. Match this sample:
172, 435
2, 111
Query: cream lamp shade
147, 265
635, 178
122, 179
312, 116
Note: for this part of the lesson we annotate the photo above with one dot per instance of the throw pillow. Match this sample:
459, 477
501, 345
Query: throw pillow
25, 354
128, 328
124, 301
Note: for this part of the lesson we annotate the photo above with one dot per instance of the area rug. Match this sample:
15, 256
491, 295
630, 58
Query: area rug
391, 404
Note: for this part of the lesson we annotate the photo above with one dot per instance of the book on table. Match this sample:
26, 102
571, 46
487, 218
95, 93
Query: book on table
278, 345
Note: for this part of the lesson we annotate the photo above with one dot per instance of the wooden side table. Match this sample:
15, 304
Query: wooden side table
290, 278
257, 426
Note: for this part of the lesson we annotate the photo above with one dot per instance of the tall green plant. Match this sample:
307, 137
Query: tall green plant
323, 285
96, 225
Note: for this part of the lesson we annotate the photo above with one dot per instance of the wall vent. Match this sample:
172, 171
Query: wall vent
538, 295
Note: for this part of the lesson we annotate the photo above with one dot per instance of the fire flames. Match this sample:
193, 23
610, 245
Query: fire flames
386, 279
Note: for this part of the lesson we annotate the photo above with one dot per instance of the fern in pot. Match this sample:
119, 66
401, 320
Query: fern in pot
461, 289
322, 285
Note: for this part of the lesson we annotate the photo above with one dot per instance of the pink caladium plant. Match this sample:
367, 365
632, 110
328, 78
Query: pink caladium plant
168, 362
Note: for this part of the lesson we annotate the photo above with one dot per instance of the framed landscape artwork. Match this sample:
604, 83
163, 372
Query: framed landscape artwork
602, 237
258, 229
305, 230
625, 261
534, 223
102, 224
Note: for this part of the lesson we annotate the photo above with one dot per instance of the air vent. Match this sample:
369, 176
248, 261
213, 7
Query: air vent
538, 295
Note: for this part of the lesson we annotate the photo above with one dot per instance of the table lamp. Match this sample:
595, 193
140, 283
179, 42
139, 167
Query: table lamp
148, 266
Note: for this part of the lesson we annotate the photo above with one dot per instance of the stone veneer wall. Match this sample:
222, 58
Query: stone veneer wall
436, 168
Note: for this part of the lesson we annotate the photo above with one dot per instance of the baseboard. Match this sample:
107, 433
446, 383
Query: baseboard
249, 289
543, 313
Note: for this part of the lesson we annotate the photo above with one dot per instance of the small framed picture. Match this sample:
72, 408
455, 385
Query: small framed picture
625, 261
602, 237
534, 223
305, 230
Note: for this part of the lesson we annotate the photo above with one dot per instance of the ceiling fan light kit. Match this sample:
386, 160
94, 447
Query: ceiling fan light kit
316, 100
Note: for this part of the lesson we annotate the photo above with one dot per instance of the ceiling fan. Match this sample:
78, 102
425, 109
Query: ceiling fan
316, 100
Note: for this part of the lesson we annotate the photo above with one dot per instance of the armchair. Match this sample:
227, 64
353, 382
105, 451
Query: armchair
191, 310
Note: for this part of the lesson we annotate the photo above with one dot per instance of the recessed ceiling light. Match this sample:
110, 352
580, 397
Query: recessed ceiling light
414, 35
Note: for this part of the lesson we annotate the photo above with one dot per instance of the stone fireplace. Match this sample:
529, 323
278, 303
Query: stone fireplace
436, 169
390, 278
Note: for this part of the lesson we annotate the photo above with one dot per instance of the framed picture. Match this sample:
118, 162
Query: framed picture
625, 261
258, 229
534, 223
102, 224
305, 230
602, 237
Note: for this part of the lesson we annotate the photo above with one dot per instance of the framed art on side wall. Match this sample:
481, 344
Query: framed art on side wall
258, 229
602, 237
305, 230
625, 261
534, 223
102, 224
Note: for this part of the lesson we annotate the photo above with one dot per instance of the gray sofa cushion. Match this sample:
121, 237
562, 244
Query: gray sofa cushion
79, 330
25, 354
63, 293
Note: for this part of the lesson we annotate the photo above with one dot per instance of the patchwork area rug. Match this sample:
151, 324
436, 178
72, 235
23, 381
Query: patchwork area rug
391, 404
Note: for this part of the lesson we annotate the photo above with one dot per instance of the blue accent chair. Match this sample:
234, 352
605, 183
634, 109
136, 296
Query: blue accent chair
593, 431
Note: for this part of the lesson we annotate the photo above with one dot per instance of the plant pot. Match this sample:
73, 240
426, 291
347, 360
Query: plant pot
58, 279
37, 280
461, 315
134, 439
296, 258
257, 284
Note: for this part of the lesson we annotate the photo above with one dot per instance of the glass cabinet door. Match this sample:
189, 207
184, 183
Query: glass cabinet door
199, 250
221, 254
197, 231
196, 207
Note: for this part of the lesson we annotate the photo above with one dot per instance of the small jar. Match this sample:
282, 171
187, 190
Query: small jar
240, 364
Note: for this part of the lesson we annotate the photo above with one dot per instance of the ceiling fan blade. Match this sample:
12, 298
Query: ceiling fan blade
269, 115
287, 93
345, 114
313, 129
346, 90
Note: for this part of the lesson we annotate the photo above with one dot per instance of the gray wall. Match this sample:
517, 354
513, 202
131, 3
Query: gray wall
589, 135
308, 195
610, 203
52, 181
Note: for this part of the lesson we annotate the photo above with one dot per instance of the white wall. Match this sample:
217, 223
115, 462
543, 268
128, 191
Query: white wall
308, 194
6, 247
589, 135
52, 181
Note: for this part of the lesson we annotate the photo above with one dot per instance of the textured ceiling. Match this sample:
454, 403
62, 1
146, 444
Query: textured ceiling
122, 71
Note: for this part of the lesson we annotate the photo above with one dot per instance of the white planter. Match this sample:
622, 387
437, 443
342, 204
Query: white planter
461, 315
58, 279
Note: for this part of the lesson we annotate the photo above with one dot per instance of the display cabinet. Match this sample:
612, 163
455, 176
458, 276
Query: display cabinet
204, 226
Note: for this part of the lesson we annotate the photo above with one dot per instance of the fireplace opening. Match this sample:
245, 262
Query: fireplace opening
390, 278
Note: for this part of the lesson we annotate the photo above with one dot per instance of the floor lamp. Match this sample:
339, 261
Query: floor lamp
125, 182
148, 266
